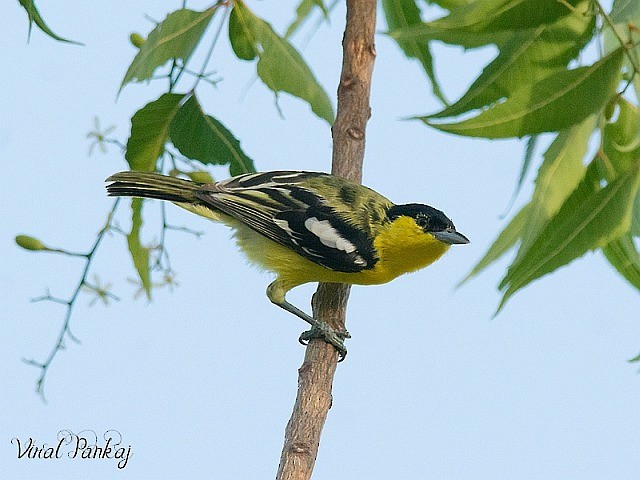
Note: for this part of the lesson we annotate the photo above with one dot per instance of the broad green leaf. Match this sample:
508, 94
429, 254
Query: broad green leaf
35, 17
501, 245
243, 40
624, 257
586, 221
553, 104
203, 138
280, 66
526, 58
139, 254
303, 11
149, 131
175, 37
561, 171
405, 13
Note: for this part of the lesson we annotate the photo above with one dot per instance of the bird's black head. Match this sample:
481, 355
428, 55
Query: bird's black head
431, 221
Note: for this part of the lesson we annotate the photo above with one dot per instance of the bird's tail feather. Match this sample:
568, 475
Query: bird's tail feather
151, 185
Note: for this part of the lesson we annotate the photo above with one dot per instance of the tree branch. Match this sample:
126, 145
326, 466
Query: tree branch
315, 376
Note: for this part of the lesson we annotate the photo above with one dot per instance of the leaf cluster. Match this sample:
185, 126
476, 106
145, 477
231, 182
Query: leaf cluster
585, 198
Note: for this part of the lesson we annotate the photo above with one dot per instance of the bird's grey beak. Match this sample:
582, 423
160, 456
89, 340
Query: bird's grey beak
451, 237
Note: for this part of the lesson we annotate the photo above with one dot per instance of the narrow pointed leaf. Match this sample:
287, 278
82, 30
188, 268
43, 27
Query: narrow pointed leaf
175, 37
303, 11
496, 15
449, 4
555, 103
201, 137
405, 13
624, 257
634, 359
139, 254
526, 58
635, 221
459, 36
561, 171
501, 245
586, 221
625, 11
529, 152
625, 17
35, 17
149, 131
280, 66
621, 146
621, 139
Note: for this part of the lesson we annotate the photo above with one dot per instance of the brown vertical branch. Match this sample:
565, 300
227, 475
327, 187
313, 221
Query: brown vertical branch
315, 376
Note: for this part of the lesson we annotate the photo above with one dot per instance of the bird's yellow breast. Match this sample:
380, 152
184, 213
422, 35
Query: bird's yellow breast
402, 247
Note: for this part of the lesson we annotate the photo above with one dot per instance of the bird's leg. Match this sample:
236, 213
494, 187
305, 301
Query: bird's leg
276, 293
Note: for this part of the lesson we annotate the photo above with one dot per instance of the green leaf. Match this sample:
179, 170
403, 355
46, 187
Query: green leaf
625, 11
243, 41
621, 139
139, 254
621, 146
634, 359
587, 220
175, 37
458, 36
555, 103
624, 257
280, 66
405, 13
526, 58
625, 17
203, 138
530, 149
495, 15
149, 131
478, 23
449, 4
561, 171
501, 245
35, 17
635, 221
303, 11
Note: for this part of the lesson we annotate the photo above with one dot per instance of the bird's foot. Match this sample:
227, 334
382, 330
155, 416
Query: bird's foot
328, 334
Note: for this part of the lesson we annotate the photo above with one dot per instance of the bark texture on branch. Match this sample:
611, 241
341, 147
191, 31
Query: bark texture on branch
315, 376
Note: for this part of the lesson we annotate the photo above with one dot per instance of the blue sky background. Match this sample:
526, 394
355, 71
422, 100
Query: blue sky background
201, 382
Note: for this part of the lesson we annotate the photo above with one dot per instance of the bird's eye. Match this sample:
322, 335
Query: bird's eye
422, 221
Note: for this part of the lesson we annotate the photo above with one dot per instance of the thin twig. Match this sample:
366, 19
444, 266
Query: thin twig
623, 43
223, 21
65, 331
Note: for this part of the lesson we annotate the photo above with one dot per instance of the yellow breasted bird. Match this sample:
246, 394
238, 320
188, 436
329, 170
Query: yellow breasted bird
309, 227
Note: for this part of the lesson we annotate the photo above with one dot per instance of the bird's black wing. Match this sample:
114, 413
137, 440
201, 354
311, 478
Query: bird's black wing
281, 206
